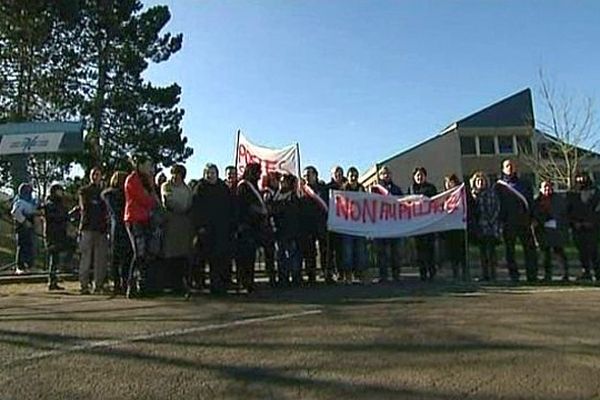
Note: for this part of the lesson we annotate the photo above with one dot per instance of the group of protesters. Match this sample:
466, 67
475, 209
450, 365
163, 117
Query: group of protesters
150, 234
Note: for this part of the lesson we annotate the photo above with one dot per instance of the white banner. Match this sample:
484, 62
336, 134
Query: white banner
375, 216
285, 159
31, 143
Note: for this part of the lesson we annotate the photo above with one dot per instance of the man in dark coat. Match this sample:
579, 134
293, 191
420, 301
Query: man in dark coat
314, 225
334, 251
516, 202
584, 216
213, 218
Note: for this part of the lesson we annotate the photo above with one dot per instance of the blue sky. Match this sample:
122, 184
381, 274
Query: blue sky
355, 81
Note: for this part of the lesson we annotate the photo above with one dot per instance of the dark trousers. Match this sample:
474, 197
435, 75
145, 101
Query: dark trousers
121, 260
586, 241
425, 245
334, 253
487, 254
25, 246
455, 251
308, 246
388, 257
268, 245
523, 233
219, 265
289, 262
245, 258
54, 257
547, 252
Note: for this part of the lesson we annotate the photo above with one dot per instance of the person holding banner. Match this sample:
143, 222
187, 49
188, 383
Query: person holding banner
425, 244
484, 223
314, 225
516, 200
354, 251
252, 219
552, 228
334, 250
388, 250
455, 241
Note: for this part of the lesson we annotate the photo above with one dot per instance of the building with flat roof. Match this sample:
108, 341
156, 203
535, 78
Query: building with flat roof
478, 142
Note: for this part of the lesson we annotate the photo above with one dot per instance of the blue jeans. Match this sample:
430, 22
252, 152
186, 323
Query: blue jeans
289, 262
354, 253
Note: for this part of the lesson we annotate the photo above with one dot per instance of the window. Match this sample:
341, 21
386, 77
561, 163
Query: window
524, 144
467, 145
486, 145
505, 145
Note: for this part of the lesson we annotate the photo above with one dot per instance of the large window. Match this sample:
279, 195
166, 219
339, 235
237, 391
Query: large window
524, 144
486, 145
467, 145
505, 145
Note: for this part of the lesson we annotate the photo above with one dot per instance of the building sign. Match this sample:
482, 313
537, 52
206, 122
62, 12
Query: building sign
31, 143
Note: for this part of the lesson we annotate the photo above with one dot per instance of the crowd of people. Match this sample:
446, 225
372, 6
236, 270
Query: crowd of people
145, 233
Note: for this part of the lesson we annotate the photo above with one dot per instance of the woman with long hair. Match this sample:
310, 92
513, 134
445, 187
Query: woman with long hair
140, 202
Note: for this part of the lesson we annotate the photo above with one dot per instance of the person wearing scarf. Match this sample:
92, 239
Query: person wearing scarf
516, 201
354, 248
425, 244
253, 217
550, 221
584, 216
285, 210
484, 223
267, 239
388, 250
314, 225
23, 211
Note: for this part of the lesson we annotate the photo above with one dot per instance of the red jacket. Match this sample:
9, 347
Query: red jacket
138, 202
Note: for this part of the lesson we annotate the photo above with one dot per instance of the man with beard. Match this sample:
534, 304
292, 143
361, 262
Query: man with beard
213, 216
584, 216
314, 225
388, 250
516, 201
252, 219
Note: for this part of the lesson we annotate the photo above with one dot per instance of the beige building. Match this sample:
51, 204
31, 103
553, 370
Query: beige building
481, 141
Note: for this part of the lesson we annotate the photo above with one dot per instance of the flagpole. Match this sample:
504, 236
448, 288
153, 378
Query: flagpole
298, 155
237, 150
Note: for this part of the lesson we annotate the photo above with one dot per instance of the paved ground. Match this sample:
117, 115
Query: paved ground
406, 341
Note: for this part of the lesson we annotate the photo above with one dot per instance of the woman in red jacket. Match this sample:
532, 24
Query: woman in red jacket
140, 202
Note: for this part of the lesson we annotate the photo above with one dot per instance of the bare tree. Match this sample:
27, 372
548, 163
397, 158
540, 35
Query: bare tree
567, 137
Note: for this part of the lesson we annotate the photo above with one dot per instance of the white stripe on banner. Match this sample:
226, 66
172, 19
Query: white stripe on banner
374, 216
